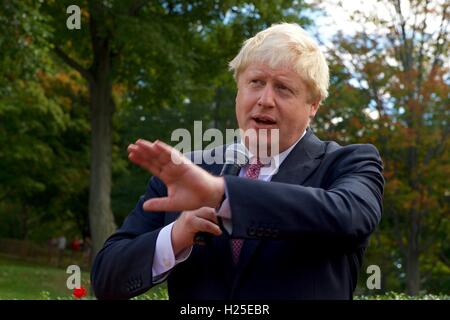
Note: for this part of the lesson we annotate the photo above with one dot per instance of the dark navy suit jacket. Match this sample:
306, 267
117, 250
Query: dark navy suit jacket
305, 232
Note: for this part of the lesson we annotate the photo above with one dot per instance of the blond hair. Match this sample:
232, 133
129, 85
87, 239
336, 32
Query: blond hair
286, 45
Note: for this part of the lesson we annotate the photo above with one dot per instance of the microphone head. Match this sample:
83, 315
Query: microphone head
237, 153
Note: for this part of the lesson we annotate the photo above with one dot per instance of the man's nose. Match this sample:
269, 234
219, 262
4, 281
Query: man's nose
267, 98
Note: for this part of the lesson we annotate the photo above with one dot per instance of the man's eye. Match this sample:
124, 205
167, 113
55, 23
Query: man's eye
283, 88
256, 82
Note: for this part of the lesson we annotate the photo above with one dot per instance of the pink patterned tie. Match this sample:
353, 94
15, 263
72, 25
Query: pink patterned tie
236, 244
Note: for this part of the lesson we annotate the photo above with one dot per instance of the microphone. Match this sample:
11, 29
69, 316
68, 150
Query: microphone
236, 156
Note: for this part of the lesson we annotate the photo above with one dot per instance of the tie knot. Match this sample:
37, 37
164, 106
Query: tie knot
253, 169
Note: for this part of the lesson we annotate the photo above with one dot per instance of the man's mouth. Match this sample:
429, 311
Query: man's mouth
264, 120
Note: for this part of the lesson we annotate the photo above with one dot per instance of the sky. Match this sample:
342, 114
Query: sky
335, 15
338, 12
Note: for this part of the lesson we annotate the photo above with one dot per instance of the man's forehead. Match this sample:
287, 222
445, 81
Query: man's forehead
284, 72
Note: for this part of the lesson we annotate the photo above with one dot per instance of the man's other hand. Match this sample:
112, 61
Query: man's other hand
191, 222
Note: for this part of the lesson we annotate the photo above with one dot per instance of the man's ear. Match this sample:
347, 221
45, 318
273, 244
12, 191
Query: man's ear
313, 107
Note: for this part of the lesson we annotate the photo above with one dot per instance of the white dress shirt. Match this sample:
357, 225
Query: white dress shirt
164, 259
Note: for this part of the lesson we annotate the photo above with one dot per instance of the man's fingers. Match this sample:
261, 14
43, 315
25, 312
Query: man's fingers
159, 204
158, 153
146, 150
164, 152
143, 150
149, 166
204, 225
169, 154
132, 148
154, 151
164, 204
146, 154
207, 213
144, 143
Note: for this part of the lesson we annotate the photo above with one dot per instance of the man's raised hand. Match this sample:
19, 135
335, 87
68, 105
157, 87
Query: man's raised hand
188, 186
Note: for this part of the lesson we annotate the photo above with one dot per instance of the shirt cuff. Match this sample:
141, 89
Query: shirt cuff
164, 259
224, 210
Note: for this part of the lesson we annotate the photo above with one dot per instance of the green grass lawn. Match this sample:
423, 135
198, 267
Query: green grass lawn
31, 281
26, 280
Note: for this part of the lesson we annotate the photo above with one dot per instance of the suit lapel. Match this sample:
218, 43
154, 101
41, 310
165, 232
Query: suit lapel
296, 168
302, 161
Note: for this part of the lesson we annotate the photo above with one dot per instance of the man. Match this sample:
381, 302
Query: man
298, 231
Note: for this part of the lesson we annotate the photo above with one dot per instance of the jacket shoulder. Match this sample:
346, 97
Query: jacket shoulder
333, 148
352, 158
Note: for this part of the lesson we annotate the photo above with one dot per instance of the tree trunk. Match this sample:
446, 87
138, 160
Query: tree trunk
412, 258
412, 273
101, 218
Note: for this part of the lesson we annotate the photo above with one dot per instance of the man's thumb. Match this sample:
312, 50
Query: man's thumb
158, 204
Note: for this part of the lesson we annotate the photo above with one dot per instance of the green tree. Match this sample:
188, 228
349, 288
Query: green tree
43, 163
402, 71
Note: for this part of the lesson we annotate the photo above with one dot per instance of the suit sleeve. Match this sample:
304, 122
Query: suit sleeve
123, 267
348, 208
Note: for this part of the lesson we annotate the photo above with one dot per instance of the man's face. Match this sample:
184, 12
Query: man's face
273, 99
